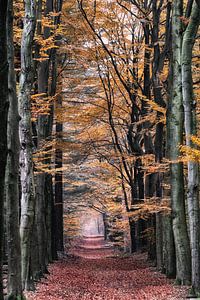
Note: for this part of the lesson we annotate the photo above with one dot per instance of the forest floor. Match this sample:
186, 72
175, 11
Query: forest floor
113, 278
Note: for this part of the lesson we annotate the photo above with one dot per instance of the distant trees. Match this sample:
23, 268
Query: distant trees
124, 61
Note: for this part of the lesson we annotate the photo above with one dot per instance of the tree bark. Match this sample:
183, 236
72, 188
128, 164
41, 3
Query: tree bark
163, 261
175, 139
169, 257
43, 132
59, 188
3, 122
159, 242
190, 129
58, 201
48, 201
26, 163
12, 175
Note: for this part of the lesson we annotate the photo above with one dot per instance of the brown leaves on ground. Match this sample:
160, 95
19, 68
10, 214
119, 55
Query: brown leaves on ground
126, 278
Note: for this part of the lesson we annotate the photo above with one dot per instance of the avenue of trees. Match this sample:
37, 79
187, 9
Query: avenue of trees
112, 85
30, 234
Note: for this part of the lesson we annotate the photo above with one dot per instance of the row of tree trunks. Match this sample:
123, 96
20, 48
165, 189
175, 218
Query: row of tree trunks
181, 111
47, 218
30, 239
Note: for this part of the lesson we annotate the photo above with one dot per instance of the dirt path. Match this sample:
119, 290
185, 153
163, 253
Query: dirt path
116, 278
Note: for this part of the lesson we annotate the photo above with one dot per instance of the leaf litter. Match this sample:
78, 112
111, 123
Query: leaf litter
114, 278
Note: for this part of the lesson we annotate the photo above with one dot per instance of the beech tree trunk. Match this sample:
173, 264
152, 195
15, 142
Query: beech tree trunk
12, 175
59, 187
52, 206
49, 204
175, 139
190, 129
40, 188
44, 131
164, 238
158, 144
58, 201
3, 122
169, 258
26, 164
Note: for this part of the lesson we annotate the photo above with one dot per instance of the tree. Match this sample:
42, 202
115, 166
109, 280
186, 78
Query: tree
175, 139
3, 118
44, 130
58, 201
160, 55
12, 175
190, 124
26, 145
59, 182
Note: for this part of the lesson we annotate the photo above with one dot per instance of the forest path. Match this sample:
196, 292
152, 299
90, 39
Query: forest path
92, 247
112, 278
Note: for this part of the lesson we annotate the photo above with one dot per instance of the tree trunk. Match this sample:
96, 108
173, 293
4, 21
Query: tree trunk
59, 191
190, 129
159, 242
149, 180
40, 188
3, 122
48, 201
52, 92
169, 256
57, 209
40, 212
12, 190
44, 130
169, 259
35, 263
157, 67
26, 163
175, 139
